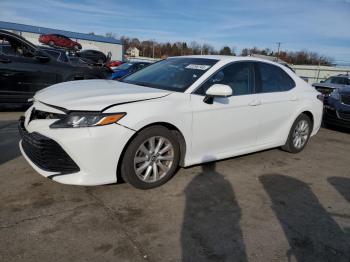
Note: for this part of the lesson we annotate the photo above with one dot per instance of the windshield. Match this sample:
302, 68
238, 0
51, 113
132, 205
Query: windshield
124, 66
175, 74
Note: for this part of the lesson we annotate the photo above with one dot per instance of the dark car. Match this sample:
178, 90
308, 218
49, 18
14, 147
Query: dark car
60, 41
25, 69
128, 68
327, 86
92, 56
59, 54
337, 107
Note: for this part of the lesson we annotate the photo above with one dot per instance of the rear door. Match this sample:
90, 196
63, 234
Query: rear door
277, 100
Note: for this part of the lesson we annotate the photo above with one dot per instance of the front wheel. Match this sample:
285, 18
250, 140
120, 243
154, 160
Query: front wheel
299, 134
151, 158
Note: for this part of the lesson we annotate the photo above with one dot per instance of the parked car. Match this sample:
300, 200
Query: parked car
128, 68
92, 56
179, 111
60, 41
327, 86
59, 54
337, 107
26, 68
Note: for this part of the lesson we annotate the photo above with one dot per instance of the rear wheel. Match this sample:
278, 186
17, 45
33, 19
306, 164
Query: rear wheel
151, 158
51, 43
299, 134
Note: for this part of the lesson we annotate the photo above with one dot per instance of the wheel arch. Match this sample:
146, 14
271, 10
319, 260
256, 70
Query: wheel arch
305, 111
171, 127
309, 115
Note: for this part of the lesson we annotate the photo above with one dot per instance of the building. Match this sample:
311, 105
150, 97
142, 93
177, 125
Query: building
315, 73
88, 41
133, 52
310, 73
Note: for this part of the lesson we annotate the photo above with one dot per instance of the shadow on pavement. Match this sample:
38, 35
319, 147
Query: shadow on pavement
211, 229
311, 232
336, 128
342, 185
9, 138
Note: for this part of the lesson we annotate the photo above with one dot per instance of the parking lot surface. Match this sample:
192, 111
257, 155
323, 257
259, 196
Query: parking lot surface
266, 206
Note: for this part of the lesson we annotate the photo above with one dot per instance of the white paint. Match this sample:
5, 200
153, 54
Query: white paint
229, 127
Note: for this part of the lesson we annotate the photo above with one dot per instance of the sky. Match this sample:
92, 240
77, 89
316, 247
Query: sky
315, 25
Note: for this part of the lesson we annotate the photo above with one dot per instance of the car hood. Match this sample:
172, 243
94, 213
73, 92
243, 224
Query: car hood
328, 85
95, 95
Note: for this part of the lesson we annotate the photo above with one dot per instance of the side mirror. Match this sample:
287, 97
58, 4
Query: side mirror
41, 56
217, 90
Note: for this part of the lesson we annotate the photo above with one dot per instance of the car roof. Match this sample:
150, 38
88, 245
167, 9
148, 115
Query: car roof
228, 58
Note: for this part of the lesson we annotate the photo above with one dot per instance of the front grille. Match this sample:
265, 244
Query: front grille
344, 115
345, 99
38, 114
324, 90
45, 152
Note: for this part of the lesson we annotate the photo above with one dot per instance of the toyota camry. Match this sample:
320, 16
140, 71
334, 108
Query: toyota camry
179, 111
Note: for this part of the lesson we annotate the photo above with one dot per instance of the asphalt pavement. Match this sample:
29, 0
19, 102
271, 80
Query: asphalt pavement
266, 206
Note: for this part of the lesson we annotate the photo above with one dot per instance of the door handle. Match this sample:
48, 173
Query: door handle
255, 103
5, 60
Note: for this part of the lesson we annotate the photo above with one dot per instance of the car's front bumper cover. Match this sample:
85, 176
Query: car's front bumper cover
76, 156
45, 152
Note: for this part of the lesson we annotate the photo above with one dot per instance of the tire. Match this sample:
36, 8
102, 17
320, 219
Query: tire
296, 133
138, 168
51, 43
76, 47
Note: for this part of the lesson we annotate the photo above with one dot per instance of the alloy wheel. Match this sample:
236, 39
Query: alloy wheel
300, 134
153, 159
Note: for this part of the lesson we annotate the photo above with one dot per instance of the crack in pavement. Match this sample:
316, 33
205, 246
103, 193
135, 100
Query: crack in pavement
114, 214
42, 216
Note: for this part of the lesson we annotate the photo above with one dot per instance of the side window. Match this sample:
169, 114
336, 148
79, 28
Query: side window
273, 79
14, 47
236, 75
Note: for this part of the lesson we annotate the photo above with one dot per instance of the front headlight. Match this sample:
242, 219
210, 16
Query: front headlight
335, 94
87, 119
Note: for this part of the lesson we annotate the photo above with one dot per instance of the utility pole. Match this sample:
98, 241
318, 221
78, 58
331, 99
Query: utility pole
278, 49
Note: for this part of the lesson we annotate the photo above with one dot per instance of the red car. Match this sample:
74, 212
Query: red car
60, 41
114, 63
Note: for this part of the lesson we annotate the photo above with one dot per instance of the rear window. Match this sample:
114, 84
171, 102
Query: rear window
273, 79
338, 80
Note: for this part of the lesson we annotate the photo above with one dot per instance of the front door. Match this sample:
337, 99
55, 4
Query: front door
21, 74
228, 126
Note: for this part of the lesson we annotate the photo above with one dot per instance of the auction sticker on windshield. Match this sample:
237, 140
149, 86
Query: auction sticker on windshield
198, 67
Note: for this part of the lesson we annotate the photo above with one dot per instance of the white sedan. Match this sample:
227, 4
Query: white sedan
177, 112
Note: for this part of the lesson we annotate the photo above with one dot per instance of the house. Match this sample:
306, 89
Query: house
133, 52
